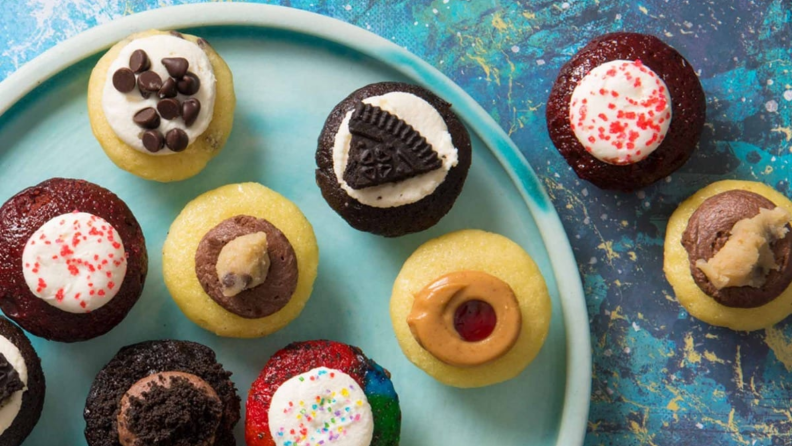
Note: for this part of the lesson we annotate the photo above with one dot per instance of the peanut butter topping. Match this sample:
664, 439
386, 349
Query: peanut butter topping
243, 263
440, 308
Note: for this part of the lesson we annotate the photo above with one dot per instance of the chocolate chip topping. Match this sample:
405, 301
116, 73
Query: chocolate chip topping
189, 84
385, 149
176, 66
176, 140
265, 299
176, 413
709, 229
9, 380
124, 80
149, 81
139, 61
168, 89
190, 109
153, 140
169, 108
147, 118
143, 93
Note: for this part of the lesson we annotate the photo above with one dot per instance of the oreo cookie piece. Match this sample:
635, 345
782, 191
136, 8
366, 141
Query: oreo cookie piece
626, 111
22, 385
392, 159
132, 396
73, 260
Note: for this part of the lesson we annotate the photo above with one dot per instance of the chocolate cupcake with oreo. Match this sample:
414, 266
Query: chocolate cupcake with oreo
392, 159
162, 393
728, 255
626, 111
161, 104
74, 260
22, 385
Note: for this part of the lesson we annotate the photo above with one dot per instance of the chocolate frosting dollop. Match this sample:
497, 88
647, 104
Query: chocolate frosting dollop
709, 228
262, 300
9, 380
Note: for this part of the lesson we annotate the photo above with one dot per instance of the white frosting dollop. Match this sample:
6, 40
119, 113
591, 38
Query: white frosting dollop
119, 108
620, 111
423, 117
10, 407
323, 407
75, 262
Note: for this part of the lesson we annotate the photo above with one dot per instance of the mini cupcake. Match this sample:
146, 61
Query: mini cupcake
626, 111
240, 261
470, 308
728, 255
353, 400
162, 393
161, 104
22, 386
74, 260
392, 159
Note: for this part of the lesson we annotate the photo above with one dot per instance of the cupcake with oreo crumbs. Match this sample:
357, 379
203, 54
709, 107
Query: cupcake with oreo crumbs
392, 159
353, 399
22, 386
626, 111
160, 393
161, 104
74, 260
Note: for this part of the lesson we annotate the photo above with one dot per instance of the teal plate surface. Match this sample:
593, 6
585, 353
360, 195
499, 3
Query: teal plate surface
290, 68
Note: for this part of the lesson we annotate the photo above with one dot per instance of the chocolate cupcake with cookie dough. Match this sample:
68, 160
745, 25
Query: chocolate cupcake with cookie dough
161, 104
728, 255
162, 393
22, 385
626, 111
74, 260
241, 260
392, 159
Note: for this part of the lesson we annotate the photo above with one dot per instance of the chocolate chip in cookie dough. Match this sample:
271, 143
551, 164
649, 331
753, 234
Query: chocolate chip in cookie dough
190, 109
176, 66
176, 140
202, 42
169, 108
9, 380
153, 140
176, 34
384, 149
147, 118
149, 81
139, 61
168, 89
189, 84
124, 80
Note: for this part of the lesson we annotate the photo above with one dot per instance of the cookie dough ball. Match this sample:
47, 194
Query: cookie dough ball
626, 111
702, 227
392, 159
507, 266
161, 104
240, 300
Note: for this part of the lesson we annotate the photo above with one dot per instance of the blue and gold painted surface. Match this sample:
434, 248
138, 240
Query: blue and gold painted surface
660, 377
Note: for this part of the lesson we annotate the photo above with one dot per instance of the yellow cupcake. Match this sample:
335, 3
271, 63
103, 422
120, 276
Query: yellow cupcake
207, 211
677, 266
173, 167
474, 250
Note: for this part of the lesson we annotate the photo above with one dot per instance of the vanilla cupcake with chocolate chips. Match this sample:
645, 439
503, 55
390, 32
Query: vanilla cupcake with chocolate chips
392, 159
728, 255
161, 104
241, 260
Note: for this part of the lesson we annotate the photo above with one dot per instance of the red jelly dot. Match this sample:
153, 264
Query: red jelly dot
475, 320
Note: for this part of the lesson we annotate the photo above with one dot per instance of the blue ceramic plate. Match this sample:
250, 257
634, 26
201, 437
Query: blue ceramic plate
290, 68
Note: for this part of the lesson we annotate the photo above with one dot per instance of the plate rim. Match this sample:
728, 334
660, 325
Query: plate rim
574, 416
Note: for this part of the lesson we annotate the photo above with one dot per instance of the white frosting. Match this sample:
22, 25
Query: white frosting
75, 262
119, 108
321, 407
620, 111
10, 409
427, 121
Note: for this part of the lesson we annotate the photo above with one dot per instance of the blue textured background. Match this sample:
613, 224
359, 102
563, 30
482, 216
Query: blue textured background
660, 377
